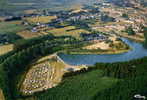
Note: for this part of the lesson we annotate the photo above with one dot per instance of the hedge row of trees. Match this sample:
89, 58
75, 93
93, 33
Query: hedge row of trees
145, 34
23, 44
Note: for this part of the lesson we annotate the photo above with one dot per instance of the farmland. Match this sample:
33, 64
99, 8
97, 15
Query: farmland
69, 30
26, 34
10, 27
6, 48
41, 19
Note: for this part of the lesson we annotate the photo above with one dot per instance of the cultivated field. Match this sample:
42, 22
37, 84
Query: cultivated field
41, 19
26, 34
6, 48
69, 30
31, 11
10, 27
139, 37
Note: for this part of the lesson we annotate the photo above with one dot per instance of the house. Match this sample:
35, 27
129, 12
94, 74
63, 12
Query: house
93, 36
34, 29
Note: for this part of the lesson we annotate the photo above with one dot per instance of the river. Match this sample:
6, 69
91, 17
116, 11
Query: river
138, 51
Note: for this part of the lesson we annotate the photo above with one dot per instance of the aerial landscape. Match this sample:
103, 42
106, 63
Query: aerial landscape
73, 49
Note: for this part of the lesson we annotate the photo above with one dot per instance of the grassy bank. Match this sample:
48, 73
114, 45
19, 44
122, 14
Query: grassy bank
97, 51
114, 49
136, 38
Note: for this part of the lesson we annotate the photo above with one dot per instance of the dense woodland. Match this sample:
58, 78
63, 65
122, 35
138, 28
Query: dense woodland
145, 34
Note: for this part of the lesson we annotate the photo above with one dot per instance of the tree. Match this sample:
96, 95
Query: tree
130, 31
124, 15
106, 18
145, 35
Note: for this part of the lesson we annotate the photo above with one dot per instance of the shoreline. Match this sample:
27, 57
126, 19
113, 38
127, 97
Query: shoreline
91, 52
131, 37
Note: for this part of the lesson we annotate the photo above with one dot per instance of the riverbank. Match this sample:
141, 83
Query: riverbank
135, 38
137, 51
98, 52
97, 48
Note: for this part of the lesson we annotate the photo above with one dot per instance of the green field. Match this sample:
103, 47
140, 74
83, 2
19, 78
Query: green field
41, 19
10, 27
68, 30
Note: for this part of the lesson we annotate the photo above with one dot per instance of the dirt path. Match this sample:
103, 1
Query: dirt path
1, 95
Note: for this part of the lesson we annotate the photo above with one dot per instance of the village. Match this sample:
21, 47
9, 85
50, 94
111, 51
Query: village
104, 19
101, 17
97, 29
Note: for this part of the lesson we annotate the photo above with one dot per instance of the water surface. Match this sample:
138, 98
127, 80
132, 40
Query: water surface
138, 51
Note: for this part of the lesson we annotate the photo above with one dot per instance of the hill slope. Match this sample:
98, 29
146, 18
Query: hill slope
7, 6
